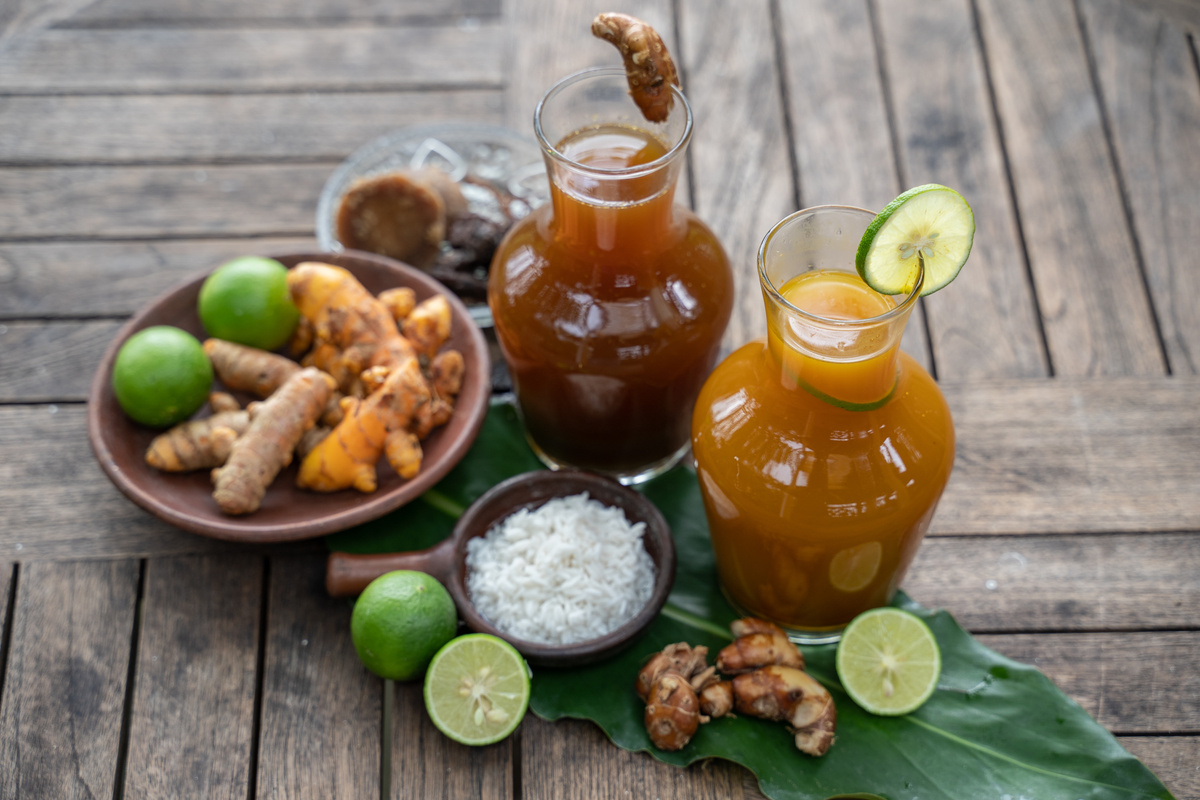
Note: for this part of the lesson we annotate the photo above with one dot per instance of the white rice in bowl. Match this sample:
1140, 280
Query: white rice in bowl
570, 571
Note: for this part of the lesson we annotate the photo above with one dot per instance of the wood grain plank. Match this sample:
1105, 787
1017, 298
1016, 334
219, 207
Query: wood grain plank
1143, 682
1093, 302
1053, 456
205, 129
321, 710
110, 202
88, 279
986, 325
428, 765
195, 680
1068, 460
1151, 97
839, 122
1174, 759
59, 505
64, 688
742, 176
251, 59
143, 12
549, 40
51, 363
1061, 583
574, 760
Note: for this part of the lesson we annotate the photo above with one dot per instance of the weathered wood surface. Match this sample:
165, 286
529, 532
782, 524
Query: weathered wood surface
65, 678
142, 143
321, 711
1091, 294
191, 723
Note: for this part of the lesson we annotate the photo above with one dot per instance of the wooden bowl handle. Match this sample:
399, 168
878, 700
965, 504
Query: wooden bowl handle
347, 574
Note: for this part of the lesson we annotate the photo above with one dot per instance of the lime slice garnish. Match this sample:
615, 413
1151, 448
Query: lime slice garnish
888, 661
477, 689
930, 224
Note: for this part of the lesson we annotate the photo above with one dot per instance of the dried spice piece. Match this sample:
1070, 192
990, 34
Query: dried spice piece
396, 214
648, 66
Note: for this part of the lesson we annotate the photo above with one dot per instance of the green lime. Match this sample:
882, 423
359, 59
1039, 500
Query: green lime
399, 621
161, 376
929, 224
247, 301
888, 661
477, 689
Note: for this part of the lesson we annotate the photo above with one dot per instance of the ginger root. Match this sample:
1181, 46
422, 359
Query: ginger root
682, 692
276, 426
791, 695
649, 68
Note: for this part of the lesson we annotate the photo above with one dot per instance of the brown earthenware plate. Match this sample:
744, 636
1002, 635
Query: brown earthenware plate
287, 513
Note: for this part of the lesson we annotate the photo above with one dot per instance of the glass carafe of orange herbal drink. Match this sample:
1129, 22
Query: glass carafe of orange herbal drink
823, 450
609, 302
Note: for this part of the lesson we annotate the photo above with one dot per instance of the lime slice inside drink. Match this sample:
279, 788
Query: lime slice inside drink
931, 225
477, 689
888, 661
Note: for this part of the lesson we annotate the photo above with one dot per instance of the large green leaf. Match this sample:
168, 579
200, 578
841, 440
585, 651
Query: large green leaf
993, 728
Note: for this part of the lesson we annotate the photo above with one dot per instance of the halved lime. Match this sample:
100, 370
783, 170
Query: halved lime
477, 689
929, 224
888, 661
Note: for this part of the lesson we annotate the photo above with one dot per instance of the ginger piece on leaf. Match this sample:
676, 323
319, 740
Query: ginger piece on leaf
648, 65
756, 650
679, 657
672, 713
716, 699
348, 455
198, 444
276, 426
791, 695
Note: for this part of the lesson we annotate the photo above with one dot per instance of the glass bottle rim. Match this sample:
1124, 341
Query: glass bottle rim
900, 309
551, 150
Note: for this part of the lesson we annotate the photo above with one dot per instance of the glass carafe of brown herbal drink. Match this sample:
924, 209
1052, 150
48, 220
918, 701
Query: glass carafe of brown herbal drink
609, 302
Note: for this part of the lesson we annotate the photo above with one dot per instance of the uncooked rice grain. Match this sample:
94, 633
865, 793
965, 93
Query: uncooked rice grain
570, 571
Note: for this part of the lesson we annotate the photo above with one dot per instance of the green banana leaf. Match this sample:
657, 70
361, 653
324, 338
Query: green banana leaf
994, 727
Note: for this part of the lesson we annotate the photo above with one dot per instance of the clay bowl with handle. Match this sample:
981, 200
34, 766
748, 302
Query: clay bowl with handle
348, 574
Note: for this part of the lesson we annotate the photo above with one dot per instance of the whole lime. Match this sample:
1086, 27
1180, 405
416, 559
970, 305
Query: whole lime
246, 300
161, 376
400, 620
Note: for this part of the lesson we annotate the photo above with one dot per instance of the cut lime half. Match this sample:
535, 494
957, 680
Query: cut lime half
477, 689
888, 661
929, 224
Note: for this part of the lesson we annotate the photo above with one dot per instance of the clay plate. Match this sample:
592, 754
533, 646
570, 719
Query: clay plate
287, 514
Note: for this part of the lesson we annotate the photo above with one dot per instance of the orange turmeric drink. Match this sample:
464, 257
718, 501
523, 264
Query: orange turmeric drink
609, 302
823, 450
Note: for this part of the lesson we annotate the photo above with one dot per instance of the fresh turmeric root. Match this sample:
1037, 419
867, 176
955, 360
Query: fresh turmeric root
400, 300
198, 444
259, 372
352, 329
348, 455
427, 326
276, 425
649, 68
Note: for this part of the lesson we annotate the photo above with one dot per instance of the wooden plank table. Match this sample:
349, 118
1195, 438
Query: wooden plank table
143, 142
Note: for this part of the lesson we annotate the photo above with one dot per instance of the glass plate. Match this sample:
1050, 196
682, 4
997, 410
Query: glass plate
485, 153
